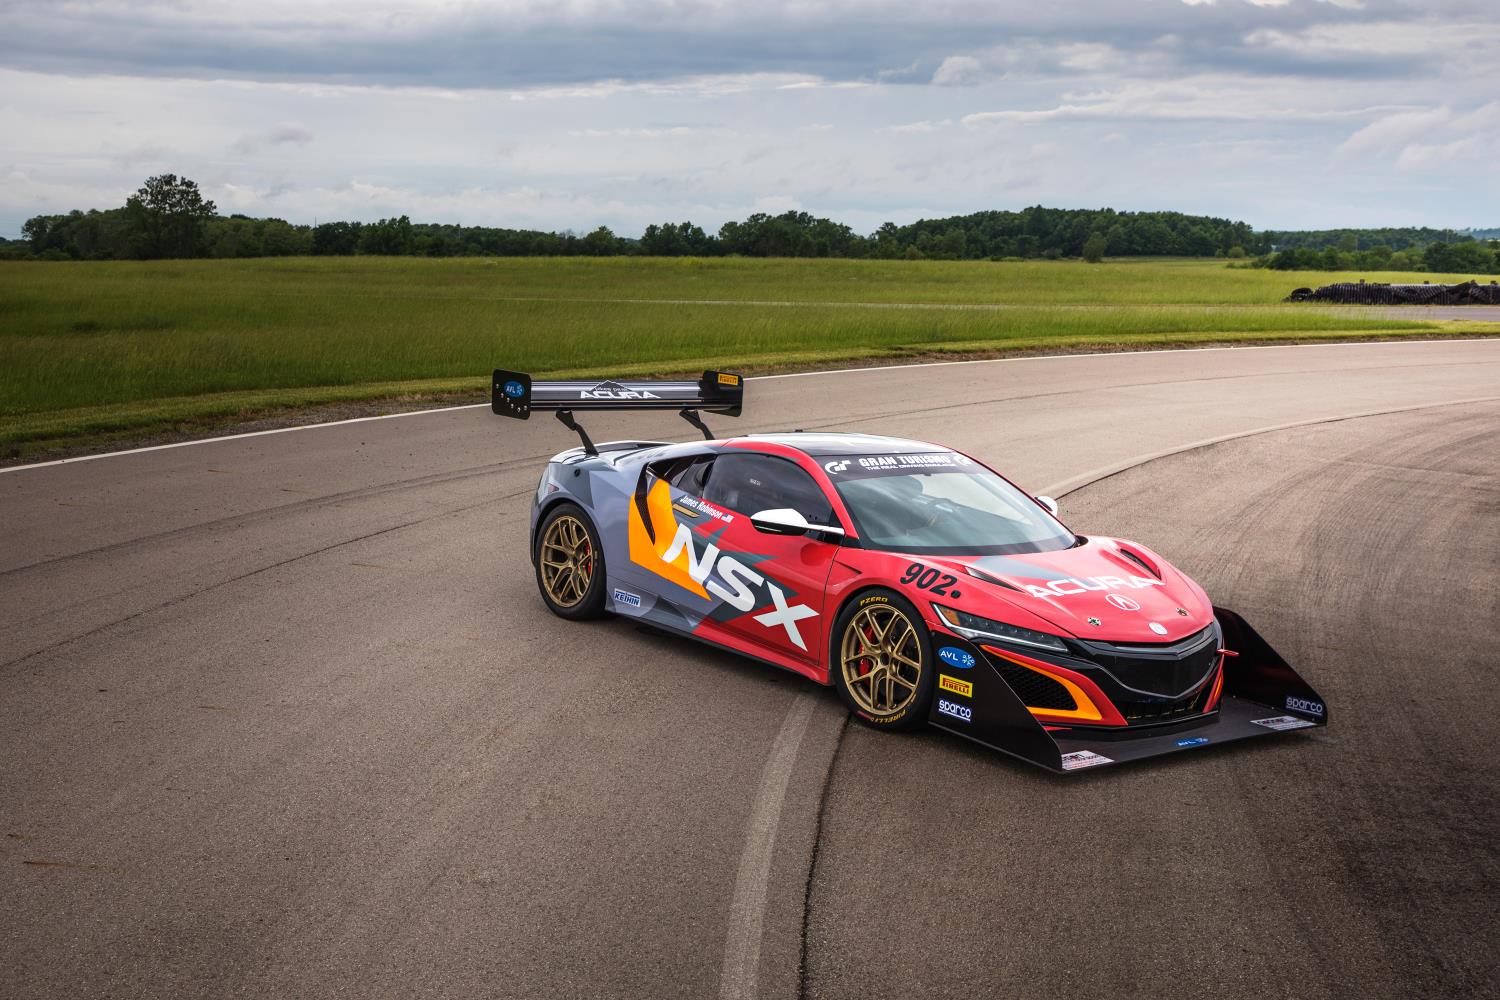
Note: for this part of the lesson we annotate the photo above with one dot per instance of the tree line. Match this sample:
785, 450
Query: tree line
169, 218
1462, 256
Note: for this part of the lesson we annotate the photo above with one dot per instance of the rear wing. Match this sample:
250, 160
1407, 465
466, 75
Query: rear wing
516, 394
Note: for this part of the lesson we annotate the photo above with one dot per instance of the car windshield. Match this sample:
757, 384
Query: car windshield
941, 504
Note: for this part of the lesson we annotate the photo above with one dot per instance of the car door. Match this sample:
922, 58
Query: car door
771, 586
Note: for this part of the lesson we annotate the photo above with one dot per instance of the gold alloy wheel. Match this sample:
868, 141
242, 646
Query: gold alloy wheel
882, 660
567, 561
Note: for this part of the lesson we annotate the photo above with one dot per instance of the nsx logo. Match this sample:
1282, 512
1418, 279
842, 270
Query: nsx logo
1074, 585
742, 581
614, 390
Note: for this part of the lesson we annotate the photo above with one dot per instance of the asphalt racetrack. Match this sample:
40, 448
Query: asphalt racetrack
284, 716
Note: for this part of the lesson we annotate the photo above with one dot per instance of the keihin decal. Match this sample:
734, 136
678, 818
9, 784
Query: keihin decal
962, 713
1083, 758
626, 597
955, 685
1283, 722
955, 657
1305, 705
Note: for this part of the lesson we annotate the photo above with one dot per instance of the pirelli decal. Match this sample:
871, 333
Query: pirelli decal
965, 688
728, 379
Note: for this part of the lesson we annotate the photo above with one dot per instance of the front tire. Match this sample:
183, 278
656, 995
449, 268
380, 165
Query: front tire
880, 657
570, 564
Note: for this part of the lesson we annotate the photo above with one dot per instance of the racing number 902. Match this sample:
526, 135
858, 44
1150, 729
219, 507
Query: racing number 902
927, 578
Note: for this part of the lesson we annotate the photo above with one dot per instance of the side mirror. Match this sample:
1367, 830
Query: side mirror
1049, 503
785, 521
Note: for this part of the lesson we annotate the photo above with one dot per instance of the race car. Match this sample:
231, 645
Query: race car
921, 584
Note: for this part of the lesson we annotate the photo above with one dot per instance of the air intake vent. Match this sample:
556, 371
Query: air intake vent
1035, 690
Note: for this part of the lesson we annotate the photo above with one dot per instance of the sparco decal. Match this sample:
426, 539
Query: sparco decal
614, 390
741, 580
1304, 705
1071, 585
962, 713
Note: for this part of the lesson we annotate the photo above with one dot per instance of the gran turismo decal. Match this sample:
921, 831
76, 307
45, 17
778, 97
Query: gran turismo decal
834, 468
1083, 758
886, 463
674, 555
962, 713
614, 390
955, 685
1294, 704
1283, 722
955, 657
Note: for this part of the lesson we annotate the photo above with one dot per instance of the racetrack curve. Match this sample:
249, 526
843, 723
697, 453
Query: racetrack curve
285, 717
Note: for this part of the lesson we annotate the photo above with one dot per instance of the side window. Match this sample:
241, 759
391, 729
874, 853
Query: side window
751, 483
687, 474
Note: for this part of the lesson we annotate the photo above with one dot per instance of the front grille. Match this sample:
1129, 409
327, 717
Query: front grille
1035, 690
1167, 671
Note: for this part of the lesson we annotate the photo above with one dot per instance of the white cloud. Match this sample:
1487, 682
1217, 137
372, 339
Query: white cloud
958, 71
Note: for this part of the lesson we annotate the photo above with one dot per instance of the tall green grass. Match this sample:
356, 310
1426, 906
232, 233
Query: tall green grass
81, 337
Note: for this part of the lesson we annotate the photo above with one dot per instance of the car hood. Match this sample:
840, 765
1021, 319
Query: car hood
1101, 589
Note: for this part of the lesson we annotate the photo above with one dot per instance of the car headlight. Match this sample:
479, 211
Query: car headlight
974, 627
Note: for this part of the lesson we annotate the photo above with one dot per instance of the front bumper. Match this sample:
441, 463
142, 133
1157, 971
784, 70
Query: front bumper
1114, 705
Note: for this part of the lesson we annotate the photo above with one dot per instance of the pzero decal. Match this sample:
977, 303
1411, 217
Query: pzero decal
962, 713
955, 657
674, 555
927, 578
965, 688
1083, 758
1283, 722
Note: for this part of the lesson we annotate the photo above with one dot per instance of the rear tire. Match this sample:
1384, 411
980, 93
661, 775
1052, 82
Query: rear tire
880, 659
570, 564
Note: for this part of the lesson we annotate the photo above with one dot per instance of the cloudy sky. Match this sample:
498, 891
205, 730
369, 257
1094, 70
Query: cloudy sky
1284, 113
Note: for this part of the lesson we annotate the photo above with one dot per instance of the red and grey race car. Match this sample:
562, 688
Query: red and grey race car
924, 586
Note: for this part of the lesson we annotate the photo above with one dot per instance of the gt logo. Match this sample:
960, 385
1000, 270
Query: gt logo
741, 579
834, 468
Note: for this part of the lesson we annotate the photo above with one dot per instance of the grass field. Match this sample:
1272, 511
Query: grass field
129, 348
